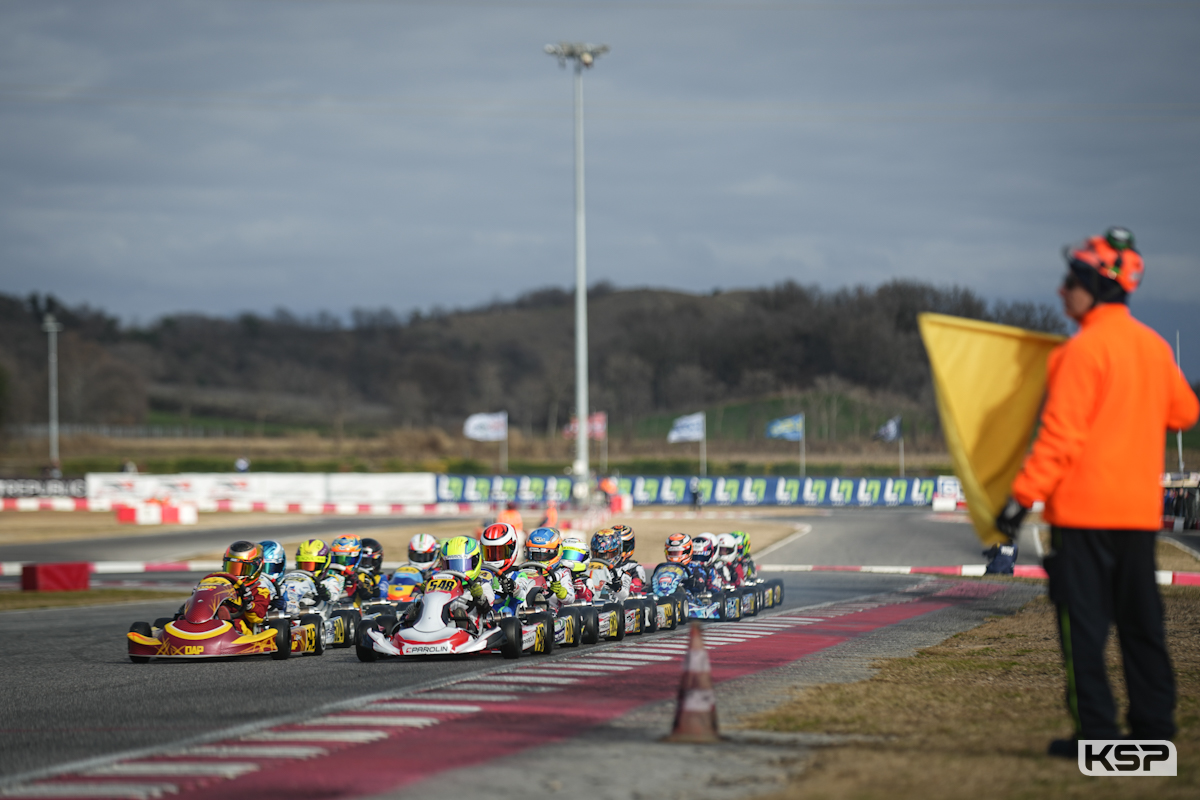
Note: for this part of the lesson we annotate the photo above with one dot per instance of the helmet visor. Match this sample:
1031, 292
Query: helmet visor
727, 550
499, 552
309, 566
542, 554
422, 558
574, 556
344, 559
463, 563
239, 568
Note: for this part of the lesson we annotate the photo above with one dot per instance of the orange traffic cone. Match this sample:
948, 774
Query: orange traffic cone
696, 715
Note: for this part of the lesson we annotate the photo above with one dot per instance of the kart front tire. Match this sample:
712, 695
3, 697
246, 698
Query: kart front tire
364, 648
546, 624
575, 618
318, 621
283, 638
512, 637
144, 629
589, 626
161, 622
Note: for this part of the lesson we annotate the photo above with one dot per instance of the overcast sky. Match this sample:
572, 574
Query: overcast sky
217, 156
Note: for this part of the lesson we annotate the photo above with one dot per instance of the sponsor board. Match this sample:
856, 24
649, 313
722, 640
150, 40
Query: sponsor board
1114, 758
777, 491
503, 488
48, 487
265, 487
441, 648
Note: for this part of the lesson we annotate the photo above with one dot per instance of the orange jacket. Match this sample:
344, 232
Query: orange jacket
512, 517
1113, 392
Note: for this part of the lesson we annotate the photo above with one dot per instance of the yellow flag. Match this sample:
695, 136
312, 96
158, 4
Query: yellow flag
989, 380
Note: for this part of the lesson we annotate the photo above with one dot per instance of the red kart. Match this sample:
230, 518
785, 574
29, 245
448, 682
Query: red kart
206, 629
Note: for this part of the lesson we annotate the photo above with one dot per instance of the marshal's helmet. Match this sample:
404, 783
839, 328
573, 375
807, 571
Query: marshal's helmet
501, 546
274, 559
312, 556
346, 551
423, 552
679, 548
544, 546
462, 554
244, 561
704, 547
727, 548
371, 559
606, 545
627, 541
1108, 266
575, 554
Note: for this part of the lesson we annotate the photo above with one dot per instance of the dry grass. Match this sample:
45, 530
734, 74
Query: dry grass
1176, 559
16, 601
972, 717
19, 527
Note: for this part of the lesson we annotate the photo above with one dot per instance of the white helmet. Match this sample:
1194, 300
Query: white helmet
501, 546
727, 547
423, 552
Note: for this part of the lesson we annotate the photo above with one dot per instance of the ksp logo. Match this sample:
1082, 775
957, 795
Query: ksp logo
1123, 757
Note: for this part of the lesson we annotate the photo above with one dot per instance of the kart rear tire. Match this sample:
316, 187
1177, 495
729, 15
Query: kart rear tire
750, 602
546, 621
619, 611
283, 638
161, 622
778, 590
364, 648
351, 620
144, 629
576, 618
679, 606
512, 637
589, 626
319, 621
651, 615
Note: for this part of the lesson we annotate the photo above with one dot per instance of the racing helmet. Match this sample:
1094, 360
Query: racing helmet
679, 548
501, 546
1108, 266
742, 540
371, 559
462, 554
423, 552
606, 545
244, 561
627, 542
312, 556
274, 559
346, 551
726, 548
704, 547
544, 546
575, 554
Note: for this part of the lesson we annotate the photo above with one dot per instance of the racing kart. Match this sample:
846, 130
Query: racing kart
767, 593
397, 593
340, 618
573, 624
440, 626
207, 629
619, 618
726, 605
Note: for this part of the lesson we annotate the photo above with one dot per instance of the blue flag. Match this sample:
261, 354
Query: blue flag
789, 428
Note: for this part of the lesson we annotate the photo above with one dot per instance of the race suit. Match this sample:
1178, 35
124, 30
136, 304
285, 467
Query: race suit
478, 597
562, 587
632, 576
299, 592
700, 578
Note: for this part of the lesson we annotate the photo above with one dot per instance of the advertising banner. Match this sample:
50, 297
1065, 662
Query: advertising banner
43, 487
774, 491
502, 488
264, 487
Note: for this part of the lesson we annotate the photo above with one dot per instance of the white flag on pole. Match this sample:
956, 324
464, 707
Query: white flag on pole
687, 429
487, 427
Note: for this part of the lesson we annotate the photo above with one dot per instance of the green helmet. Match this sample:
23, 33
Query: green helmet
462, 554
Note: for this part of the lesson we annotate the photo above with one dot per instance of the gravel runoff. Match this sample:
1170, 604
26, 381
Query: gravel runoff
624, 760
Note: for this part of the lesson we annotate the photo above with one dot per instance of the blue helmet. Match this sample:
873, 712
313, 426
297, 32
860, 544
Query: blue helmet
544, 545
274, 559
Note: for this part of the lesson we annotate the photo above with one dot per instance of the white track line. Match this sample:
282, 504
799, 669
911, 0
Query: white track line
117, 791
482, 687
355, 737
432, 708
475, 696
221, 769
575, 671
513, 678
803, 529
632, 655
581, 664
367, 720
253, 751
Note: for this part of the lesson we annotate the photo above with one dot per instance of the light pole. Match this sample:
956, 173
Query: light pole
51, 326
584, 56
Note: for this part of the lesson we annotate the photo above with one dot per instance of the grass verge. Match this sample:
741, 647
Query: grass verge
972, 717
17, 601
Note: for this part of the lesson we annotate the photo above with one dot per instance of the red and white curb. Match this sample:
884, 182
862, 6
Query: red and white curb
271, 507
383, 743
1163, 577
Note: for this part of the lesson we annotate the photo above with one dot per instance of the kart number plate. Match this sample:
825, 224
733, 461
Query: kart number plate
427, 649
441, 585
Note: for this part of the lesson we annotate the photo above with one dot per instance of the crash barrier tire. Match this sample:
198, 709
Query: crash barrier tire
589, 630
546, 644
650, 615
283, 638
364, 648
512, 637
144, 629
576, 627
319, 622
161, 622
618, 613
351, 620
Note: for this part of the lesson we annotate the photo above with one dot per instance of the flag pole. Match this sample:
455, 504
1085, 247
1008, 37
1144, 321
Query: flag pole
703, 441
901, 455
504, 453
1178, 434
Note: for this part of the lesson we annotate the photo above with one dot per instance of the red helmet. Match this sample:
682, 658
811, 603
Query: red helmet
679, 548
500, 546
1112, 257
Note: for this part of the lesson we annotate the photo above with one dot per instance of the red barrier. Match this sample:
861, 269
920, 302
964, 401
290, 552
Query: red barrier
68, 577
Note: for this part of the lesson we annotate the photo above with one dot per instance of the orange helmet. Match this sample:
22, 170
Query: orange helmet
244, 561
1111, 257
679, 548
627, 540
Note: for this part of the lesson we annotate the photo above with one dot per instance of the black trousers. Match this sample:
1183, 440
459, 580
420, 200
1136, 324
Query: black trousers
1100, 577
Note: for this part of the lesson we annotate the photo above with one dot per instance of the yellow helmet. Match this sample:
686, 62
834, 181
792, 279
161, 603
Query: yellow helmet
312, 556
462, 554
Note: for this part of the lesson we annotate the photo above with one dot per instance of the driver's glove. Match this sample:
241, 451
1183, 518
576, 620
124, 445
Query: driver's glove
278, 603
1009, 520
559, 590
626, 581
477, 591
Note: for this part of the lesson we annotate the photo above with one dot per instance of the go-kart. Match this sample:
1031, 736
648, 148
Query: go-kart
719, 603
573, 623
636, 614
341, 619
440, 625
668, 584
768, 593
397, 593
207, 629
